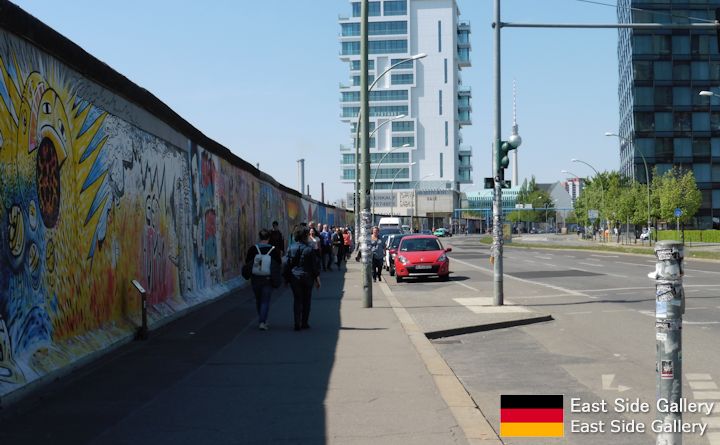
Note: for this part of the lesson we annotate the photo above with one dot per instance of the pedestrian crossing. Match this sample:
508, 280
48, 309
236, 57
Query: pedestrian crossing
706, 390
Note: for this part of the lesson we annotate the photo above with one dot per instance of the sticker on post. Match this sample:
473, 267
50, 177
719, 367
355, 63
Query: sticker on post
661, 309
660, 336
665, 254
666, 369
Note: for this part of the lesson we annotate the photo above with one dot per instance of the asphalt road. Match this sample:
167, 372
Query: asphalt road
601, 345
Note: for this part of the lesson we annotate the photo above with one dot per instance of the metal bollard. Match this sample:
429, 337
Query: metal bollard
669, 309
142, 333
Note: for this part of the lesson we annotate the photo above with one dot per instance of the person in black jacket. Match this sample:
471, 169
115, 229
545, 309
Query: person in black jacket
302, 271
263, 285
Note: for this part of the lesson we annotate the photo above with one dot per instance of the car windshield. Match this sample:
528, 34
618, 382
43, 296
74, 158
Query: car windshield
395, 241
420, 245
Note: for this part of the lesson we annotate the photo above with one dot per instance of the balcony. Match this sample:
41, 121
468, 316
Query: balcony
465, 150
464, 90
463, 55
464, 118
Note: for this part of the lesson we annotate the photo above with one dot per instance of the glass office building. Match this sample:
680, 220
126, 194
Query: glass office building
662, 115
428, 159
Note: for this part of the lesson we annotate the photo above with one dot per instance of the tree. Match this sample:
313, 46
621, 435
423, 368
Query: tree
676, 189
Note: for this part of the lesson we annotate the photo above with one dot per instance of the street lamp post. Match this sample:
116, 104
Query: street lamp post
357, 137
392, 186
414, 189
602, 186
647, 172
377, 168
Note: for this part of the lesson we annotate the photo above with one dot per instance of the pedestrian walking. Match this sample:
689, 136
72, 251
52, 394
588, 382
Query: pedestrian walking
301, 271
347, 243
263, 268
277, 241
377, 248
326, 250
338, 246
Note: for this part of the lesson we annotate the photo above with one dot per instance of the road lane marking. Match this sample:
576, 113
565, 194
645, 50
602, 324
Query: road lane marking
578, 313
702, 385
604, 273
606, 256
590, 264
703, 271
629, 264
651, 287
523, 280
698, 376
705, 395
465, 285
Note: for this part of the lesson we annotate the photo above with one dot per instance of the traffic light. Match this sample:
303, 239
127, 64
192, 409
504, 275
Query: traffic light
502, 161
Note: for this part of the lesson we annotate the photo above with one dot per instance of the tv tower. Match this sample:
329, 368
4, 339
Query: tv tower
515, 133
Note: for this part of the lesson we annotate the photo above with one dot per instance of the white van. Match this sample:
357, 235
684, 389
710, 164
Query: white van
389, 222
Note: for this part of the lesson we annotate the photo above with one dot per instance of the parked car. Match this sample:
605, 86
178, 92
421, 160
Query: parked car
391, 251
421, 256
646, 233
425, 232
442, 232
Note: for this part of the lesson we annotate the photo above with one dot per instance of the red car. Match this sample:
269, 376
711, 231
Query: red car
421, 256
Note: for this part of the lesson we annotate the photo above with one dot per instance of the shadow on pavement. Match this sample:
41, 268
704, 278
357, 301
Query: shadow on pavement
210, 377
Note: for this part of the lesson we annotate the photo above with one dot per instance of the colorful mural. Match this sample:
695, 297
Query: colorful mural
89, 202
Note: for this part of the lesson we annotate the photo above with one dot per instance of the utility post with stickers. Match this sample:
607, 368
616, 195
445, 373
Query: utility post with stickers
669, 309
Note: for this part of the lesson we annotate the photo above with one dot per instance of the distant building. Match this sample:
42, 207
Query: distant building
423, 178
574, 187
662, 115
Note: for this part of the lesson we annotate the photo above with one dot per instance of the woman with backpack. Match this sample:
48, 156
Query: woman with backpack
262, 267
302, 271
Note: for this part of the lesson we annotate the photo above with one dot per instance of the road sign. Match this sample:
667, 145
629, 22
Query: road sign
678, 212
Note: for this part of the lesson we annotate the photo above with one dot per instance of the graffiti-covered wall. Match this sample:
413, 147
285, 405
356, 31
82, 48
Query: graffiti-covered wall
95, 192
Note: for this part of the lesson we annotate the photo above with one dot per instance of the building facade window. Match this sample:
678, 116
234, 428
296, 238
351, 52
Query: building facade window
373, 9
401, 79
440, 102
446, 76
403, 126
399, 141
439, 36
355, 65
447, 133
375, 47
395, 7
441, 165
383, 95
406, 65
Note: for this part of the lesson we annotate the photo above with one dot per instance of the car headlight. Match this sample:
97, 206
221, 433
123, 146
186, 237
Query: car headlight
402, 259
442, 258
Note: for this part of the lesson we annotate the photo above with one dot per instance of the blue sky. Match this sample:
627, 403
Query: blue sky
262, 77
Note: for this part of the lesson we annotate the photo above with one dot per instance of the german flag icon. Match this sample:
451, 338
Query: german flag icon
531, 415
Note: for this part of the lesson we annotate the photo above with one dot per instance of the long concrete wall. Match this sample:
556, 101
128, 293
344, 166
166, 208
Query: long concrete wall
100, 184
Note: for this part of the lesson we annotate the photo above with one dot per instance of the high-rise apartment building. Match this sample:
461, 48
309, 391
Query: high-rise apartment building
426, 160
574, 187
662, 115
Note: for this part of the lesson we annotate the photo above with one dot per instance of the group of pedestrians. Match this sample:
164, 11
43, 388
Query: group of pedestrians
267, 265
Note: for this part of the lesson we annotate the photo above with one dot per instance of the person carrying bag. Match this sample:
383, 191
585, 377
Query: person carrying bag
262, 268
302, 271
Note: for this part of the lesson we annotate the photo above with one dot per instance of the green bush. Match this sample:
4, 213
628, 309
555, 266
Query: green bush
697, 236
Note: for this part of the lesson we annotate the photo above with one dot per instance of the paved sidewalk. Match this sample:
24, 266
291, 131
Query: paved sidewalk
357, 376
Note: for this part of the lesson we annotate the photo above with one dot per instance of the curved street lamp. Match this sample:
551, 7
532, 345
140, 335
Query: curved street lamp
392, 186
602, 186
357, 138
647, 172
414, 187
375, 177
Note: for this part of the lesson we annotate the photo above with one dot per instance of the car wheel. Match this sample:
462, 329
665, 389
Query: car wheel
399, 279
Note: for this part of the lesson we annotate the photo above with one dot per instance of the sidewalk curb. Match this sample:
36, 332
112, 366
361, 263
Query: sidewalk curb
470, 419
434, 335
